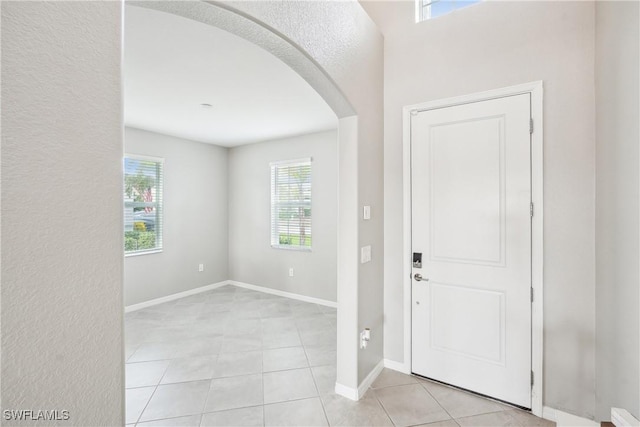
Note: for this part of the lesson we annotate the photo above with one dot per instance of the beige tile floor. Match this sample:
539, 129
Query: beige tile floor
235, 357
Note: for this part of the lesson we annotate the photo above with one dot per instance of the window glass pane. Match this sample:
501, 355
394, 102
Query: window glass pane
142, 204
442, 7
435, 8
291, 205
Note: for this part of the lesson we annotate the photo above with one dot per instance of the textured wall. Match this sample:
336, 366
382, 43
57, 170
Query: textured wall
62, 210
251, 257
488, 46
195, 227
617, 252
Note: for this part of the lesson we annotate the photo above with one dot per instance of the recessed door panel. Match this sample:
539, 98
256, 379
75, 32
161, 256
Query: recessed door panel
467, 191
467, 322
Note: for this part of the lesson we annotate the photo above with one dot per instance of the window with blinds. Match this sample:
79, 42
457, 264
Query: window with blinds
291, 204
429, 9
142, 204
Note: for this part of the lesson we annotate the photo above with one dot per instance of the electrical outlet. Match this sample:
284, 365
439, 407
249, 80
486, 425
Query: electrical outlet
291, 272
365, 337
200, 267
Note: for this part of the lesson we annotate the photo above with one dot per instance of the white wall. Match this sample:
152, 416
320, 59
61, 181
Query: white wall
195, 218
617, 252
251, 258
62, 210
493, 45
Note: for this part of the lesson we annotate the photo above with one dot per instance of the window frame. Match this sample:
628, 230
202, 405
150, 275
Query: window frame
157, 205
423, 11
274, 235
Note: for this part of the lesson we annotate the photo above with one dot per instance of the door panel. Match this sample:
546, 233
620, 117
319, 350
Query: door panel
471, 194
458, 312
467, 213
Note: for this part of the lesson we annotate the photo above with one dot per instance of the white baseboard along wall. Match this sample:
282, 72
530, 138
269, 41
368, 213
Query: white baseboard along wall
622, 418
206, 288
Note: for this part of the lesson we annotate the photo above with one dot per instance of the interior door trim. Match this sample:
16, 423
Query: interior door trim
535, 89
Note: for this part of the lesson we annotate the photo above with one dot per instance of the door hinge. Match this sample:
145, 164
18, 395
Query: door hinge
531, 378
530, 125
531, 209
531, 294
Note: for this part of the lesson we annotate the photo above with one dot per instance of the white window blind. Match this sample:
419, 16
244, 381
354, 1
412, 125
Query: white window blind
142, 204
291, 204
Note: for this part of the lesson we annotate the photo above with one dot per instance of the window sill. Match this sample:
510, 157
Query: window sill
132, 254
291, 248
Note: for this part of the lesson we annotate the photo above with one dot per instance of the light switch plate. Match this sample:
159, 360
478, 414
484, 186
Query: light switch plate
365, 254
366, 212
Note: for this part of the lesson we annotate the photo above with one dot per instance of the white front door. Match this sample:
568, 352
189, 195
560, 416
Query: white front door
471, 223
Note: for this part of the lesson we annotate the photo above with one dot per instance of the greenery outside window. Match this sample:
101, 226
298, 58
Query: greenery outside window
142, 204
291, 204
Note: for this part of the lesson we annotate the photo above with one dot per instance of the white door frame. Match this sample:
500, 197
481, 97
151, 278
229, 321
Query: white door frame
535, 89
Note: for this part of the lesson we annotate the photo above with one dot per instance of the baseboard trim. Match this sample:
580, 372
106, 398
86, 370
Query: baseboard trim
565, 419
156, 301
348, 392
366, 383
284, 294
397, 366
356, 394
623, 418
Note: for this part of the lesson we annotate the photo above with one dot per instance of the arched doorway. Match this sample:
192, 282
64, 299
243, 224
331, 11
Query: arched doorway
269, 39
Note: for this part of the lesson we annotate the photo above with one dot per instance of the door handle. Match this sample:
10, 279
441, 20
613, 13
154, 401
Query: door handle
419, 278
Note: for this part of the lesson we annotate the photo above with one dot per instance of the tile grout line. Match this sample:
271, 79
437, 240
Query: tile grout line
381, 405
324, 411
421, 384
264, 421
206, 400
315, 383
145, 406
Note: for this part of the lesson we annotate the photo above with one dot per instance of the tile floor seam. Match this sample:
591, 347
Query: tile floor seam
169, 418
315, 383
264, 421
392, 386
291, 400
382, 406
436, 400
206, 399
484, 413
146, 405
231, 409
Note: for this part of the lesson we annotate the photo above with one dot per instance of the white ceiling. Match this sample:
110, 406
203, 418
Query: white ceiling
173, 64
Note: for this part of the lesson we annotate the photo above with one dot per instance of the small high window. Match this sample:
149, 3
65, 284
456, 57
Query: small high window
142, 204
429, 9
291, 204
